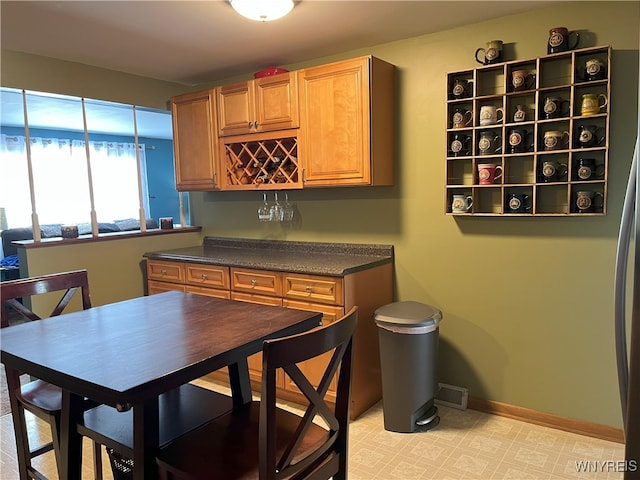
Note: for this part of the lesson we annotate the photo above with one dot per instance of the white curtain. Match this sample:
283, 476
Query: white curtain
61, 181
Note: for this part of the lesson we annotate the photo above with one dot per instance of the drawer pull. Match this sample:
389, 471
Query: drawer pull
308, 288
163, 272
204, 276
253, 282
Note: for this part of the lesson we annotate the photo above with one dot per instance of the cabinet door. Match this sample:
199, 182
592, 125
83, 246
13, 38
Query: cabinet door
276, 102
194, 141
235, 109
347, 123
261, 105
313, 369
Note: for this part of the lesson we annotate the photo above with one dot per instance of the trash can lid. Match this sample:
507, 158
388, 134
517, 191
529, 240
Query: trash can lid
408, 314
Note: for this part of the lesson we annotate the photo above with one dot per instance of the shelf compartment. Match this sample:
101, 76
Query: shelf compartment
519, 169
460, 172
551, 199
488, 199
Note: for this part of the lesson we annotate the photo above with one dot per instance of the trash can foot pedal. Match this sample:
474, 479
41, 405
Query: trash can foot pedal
431, 417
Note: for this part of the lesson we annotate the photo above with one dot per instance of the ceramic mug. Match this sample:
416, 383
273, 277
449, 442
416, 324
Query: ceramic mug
518, 140
556, 140
594, 69
492, 53
592, 104
590, 136
488, 173
520, 114
461, 118
489, 115
461, 88
522, 80
460, 145
461, 203
555, 107
552, 171
586, 201
559, 38
587, 169
518, 203
489, 143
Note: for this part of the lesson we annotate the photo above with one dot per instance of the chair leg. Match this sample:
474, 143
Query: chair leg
19, 426
55, 439
97, 460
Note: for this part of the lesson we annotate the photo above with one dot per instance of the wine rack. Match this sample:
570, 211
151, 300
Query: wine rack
268, 163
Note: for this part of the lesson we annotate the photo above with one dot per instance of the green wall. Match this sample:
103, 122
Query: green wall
527, 302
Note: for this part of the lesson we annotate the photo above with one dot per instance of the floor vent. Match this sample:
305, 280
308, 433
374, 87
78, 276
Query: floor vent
452, 396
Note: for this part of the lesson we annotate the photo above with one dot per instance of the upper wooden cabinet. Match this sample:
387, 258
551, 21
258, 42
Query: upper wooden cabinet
260, 105
331, 125
347, 123
195, 140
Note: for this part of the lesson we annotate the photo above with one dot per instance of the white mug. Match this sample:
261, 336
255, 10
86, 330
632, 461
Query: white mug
489, 115
461, 203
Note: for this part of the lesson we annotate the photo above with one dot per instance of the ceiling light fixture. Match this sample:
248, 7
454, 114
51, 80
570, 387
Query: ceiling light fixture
262, 10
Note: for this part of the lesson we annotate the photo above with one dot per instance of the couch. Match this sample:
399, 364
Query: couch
10, 235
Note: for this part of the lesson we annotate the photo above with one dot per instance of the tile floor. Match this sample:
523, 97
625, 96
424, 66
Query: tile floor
465, 445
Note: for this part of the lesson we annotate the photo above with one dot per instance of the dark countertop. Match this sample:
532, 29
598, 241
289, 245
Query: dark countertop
336, 259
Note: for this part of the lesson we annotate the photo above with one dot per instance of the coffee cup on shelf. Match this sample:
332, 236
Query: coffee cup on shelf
461, 203
488, 173
590, 136
556, 140
492, 53
522, 80
594, 69
518, 203
560, 40
489, 143
461, 118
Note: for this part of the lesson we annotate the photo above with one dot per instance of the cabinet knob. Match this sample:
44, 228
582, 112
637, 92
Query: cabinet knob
250, 125
204, 276
163, 272
308, 288
256, 124
253, 283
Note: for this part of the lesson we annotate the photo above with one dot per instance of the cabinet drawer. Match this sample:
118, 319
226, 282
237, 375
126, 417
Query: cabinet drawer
329, 313
165, 271
252, 298
313, 288
209, 292
154, 287
256, 281
208, 275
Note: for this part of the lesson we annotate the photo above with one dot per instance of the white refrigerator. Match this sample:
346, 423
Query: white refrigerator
627, 316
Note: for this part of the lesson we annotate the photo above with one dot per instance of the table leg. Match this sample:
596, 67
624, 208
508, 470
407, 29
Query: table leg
70, 465
146, 439
240, 384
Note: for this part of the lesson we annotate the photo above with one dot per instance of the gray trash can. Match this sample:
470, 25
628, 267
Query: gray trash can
408, 333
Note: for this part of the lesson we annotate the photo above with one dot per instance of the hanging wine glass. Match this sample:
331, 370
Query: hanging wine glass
287, 214
264, 212
276, 210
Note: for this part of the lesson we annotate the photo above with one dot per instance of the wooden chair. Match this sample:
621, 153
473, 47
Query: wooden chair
262, 441
40, 398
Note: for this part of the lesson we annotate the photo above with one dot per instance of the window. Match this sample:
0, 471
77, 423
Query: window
83, 158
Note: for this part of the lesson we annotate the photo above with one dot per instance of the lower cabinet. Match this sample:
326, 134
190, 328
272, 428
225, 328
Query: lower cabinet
332, 296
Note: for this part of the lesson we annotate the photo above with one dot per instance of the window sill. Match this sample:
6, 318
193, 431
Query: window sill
57, 241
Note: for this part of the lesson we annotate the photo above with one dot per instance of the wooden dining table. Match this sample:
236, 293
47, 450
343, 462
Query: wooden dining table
126, 354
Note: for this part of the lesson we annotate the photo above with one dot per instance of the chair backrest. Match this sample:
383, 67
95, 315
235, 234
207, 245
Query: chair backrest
69, 282
286, 353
